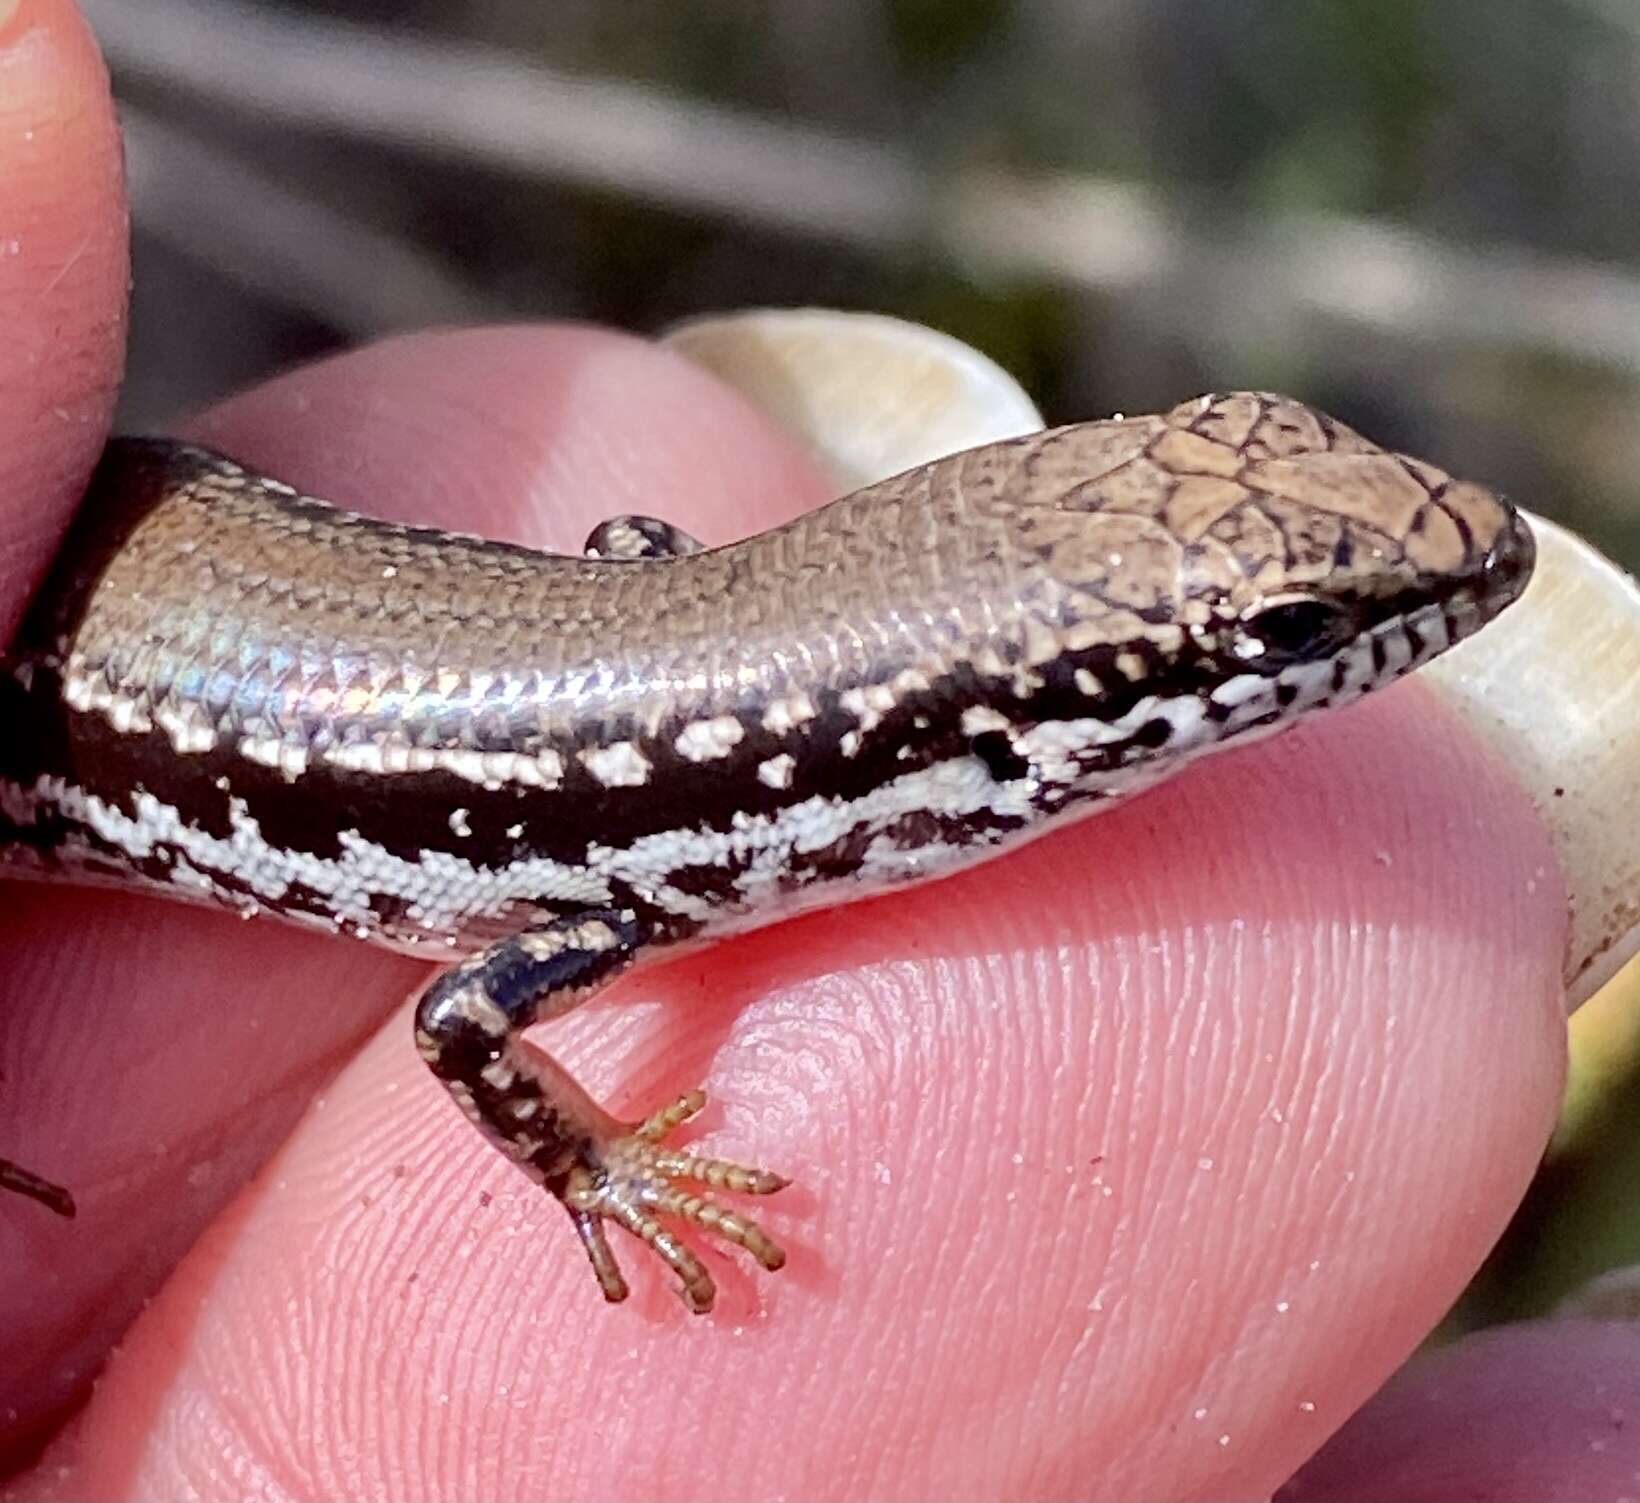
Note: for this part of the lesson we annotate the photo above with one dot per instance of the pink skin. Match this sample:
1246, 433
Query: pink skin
1548, 1411
1137, 1192
63, 273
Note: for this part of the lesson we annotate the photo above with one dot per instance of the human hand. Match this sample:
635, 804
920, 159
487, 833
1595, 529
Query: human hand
1135, 1191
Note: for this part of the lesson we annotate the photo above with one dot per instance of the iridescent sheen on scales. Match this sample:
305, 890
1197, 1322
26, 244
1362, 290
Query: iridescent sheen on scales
543, 766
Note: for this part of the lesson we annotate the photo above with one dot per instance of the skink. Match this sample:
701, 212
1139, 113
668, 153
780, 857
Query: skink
539, 767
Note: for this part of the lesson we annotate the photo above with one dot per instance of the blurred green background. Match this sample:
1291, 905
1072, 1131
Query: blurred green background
1421, 217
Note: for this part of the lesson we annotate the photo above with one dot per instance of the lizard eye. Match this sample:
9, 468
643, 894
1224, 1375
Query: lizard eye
1293, 631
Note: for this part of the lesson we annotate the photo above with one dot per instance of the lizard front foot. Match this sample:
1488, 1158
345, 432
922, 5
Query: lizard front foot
633, 1178
468, 1029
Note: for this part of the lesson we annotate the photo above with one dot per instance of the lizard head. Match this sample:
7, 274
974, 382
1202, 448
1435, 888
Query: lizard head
1224, 568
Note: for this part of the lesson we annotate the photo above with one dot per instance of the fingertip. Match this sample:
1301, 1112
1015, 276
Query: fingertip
64, 270
1201, 1171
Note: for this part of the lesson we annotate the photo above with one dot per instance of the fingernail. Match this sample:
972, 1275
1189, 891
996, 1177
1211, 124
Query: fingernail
8, 12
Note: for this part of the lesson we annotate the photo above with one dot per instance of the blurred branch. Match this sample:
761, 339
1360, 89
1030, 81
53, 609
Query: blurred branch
465, 101
481, 105
203, 202
1361, 271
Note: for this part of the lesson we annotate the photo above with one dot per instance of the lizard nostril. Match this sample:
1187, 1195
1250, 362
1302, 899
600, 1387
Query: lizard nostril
1509, 561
